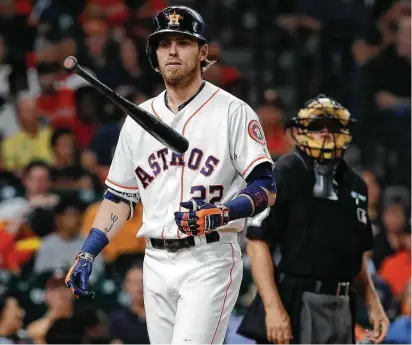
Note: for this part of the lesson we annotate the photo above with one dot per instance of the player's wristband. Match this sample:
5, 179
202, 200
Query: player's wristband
95, 242
239, 207
85, 256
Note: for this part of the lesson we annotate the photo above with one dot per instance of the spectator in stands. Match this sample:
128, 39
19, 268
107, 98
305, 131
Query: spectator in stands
58, 249
27, 218
388, 13
30, 142
87, 109
125, 242
339, 23
396, 268
131, 75
63, 331
8, 121
93, 322
5, 71
394, 93
385, 224
10, 185
59, 305
52, 30
36, 180
56, 101
394, 223
98, 156
11, 319
115, 11
374, 198
224, 75
17, 244
395, 220
387, 91
400, 329
66, 172
98, 51
272, 114
129, 324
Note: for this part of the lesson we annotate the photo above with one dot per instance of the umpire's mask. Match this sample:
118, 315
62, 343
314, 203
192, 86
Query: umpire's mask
322, 129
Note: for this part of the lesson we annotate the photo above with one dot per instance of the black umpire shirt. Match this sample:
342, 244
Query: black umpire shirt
318, 238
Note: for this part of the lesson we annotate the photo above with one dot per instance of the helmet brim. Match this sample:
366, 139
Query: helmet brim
200, 38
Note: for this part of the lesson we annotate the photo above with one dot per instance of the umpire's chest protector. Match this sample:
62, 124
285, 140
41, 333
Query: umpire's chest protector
304, 214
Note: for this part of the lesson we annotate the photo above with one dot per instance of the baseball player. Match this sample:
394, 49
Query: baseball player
194, 203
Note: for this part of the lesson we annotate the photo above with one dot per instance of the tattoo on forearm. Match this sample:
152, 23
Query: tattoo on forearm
113, 219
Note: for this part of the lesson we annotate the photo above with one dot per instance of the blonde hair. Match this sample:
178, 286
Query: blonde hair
205, 64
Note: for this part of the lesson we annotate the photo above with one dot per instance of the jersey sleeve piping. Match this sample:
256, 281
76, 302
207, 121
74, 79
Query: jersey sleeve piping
119, 187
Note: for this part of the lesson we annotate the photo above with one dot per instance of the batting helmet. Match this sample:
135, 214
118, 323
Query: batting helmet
175, 19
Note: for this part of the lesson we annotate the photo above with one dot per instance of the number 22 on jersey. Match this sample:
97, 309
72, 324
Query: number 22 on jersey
214, 193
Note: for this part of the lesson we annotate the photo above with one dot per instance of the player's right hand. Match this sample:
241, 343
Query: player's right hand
278, 328
77, 279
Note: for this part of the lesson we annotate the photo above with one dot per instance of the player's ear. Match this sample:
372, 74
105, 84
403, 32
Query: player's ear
204, 48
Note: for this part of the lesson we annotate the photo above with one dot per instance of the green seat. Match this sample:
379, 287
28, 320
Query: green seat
34, 290
107, 290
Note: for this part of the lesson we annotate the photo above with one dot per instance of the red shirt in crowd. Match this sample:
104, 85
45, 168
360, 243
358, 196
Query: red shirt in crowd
396, 271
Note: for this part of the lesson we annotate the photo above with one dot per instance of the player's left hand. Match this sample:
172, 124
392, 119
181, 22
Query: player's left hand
202, 217
77, 279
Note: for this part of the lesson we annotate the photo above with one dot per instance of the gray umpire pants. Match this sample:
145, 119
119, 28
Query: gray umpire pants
325, 319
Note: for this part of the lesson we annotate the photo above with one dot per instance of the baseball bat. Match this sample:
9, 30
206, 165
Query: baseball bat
150, 123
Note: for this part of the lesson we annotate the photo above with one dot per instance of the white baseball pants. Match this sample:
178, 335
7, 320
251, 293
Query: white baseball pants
190, 294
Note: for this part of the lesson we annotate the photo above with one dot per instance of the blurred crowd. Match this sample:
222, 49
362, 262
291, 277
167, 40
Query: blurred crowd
58, 135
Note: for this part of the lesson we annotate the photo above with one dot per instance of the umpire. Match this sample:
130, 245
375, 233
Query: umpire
320, 226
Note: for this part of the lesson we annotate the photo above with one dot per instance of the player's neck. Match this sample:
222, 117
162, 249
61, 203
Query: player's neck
179, 94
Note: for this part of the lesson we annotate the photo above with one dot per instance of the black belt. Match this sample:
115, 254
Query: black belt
327, 287
173, 245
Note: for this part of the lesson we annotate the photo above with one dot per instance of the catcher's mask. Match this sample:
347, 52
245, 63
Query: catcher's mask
322, 129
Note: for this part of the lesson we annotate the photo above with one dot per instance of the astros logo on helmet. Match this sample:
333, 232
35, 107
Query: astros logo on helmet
174, 19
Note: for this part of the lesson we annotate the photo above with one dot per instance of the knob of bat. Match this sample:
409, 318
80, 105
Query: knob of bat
70, 63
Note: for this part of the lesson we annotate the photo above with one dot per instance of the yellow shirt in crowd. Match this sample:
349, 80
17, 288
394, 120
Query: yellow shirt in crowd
22, 148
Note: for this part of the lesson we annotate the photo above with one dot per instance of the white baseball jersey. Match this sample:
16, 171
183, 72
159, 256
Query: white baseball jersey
226, 142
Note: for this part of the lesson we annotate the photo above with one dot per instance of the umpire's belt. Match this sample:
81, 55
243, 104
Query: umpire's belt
327, 287
173, 245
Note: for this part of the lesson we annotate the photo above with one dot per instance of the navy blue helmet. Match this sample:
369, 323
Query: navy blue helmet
175, 19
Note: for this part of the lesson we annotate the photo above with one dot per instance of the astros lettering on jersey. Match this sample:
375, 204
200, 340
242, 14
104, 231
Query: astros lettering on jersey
226, 142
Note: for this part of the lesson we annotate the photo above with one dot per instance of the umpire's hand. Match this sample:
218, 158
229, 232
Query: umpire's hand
278, 328
379, 322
